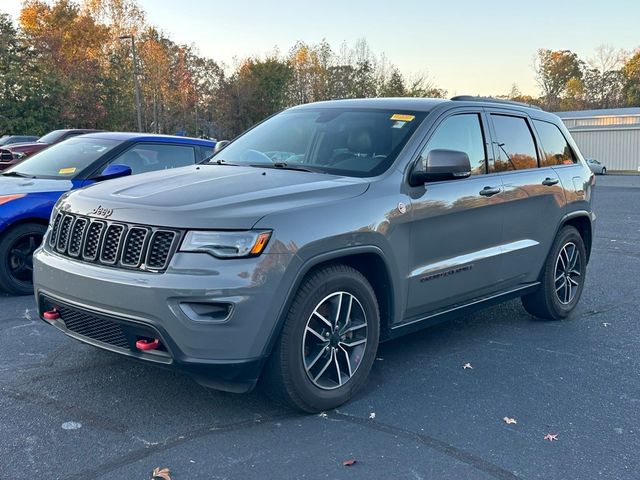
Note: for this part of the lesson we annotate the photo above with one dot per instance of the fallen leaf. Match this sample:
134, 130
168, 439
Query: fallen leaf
467, 365
372, 415
348, 463
509, 421
551, 436
161, 473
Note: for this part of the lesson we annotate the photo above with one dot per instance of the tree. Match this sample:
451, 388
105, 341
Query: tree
631, 78
603, 80
29, 97
554, 68
69, 47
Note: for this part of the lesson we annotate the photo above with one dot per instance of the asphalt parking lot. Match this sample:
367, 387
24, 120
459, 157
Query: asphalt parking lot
71, 411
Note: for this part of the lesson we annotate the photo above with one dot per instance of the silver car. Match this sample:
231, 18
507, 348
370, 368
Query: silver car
326, 229
596, 166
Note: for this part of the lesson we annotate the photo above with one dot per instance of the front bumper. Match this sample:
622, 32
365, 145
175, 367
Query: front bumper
113, 308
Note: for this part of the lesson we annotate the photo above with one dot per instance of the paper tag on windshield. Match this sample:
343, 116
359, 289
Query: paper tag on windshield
400, 117
67, 171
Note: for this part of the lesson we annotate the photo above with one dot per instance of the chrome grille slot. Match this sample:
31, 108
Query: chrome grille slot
133, 246
111, 243
92, 241
55, 228
160, 246
63, 234
77, 235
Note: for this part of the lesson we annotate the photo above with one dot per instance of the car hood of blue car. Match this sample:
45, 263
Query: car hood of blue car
16, 185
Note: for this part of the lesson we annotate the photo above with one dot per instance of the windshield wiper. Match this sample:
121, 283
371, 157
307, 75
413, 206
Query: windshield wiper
17, 174
221, 161
285, 166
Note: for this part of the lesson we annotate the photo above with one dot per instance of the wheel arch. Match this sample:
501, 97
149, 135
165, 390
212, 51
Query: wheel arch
24, 221
368, 260
582, 222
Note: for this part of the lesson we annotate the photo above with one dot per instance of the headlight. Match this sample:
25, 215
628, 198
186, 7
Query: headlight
7, 198
18, 155
226, 244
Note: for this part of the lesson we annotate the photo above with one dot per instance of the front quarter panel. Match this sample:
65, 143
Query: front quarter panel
369, 223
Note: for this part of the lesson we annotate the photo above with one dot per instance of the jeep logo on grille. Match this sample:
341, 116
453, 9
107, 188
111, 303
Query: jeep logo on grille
99, 211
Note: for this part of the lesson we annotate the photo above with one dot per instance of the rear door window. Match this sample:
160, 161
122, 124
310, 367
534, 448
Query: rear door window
556, 149
515, 148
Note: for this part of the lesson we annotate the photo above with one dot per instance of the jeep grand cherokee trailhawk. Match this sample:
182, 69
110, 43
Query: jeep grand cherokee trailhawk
292, 252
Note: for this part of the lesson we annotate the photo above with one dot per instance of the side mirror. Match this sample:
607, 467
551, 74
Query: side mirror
220, 145
115, 170
441, 165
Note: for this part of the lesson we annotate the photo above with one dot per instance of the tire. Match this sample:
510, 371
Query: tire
16, 256
309, 367
562, 279
604, 171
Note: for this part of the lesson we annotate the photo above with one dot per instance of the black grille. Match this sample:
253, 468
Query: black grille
92, 241
91, 326
55, 228
161, 242
5, 155
133, 246
113, 243
65, 229
77, 235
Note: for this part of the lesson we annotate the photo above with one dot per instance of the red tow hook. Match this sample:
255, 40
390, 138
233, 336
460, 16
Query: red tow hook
147, 344
52, 314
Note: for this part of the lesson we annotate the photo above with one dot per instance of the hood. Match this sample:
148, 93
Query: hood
210, 196
25, 147
11, 185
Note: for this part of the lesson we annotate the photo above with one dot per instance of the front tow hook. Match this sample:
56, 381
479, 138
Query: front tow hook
51, 315
145, 344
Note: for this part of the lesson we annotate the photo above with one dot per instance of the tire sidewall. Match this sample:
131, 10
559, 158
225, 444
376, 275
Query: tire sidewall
567, 234
310, 394
8, 239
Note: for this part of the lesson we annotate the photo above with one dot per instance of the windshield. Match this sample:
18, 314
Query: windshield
360, 143
65, 159
51, 137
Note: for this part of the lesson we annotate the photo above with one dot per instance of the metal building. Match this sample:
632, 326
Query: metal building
610, 135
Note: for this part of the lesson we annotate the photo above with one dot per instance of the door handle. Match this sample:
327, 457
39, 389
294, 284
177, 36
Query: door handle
550, 181
490, 191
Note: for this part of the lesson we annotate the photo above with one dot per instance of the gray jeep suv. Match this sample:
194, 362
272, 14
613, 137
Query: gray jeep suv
291, 253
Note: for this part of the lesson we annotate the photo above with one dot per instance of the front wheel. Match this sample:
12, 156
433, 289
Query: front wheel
16, 257
562, 280
604, 171
328, 342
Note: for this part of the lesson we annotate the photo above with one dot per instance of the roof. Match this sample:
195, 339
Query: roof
419, 104
151, 137
605, 112
403, 103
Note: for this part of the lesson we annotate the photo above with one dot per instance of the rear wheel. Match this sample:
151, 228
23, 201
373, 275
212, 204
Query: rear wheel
562, 279
328, 342
16, 257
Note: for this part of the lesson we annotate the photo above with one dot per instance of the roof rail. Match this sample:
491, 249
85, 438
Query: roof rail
471, 98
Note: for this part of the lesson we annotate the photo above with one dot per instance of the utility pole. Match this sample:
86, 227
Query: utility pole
136, 81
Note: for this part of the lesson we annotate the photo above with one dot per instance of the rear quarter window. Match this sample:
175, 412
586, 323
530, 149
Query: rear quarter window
555, 146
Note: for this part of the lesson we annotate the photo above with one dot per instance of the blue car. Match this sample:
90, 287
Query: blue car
29, 190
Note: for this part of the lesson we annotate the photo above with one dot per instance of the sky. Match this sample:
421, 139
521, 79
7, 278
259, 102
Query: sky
465, 46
